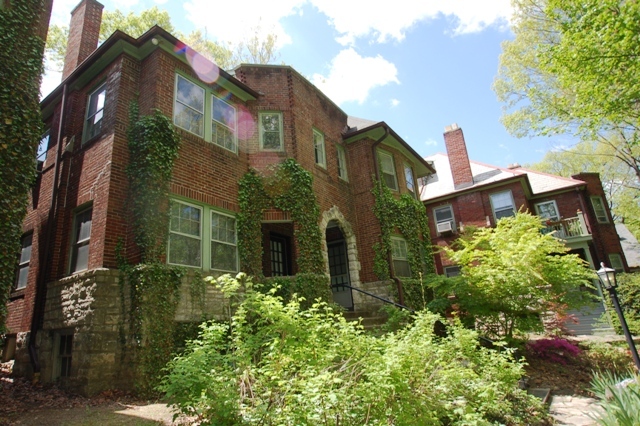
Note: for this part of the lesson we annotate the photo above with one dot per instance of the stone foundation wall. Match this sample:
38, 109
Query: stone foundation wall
364, 303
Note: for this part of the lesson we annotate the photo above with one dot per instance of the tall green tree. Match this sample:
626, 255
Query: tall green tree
572, 68
254, 49
615, 161
513, 273
20, 126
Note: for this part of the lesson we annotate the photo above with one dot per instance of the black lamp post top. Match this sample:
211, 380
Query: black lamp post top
607, 276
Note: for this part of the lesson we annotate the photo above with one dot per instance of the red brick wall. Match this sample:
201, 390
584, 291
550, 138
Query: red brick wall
84, 31
458, 157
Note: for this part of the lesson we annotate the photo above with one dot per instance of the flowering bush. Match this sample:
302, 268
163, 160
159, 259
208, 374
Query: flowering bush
554, 350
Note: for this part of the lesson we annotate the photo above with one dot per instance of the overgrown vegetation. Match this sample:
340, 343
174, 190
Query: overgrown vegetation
629, 295
511, 275
619, 399
275, 363
288, 187
408, 216
20, 128
154, 286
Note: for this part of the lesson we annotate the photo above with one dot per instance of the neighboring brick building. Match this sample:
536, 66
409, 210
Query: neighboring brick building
467, 193
66, 308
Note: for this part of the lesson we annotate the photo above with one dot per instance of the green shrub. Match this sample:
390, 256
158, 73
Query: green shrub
619, 399
278, 364
629, 295
604, 357
308, 286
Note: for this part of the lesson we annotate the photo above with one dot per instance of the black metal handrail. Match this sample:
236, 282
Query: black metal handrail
397, 305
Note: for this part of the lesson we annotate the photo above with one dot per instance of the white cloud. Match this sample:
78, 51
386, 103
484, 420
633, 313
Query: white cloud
431, 142
352, 77
235, 21
395, 103
359, 19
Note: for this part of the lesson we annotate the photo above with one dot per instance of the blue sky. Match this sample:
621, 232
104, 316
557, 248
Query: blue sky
418, 65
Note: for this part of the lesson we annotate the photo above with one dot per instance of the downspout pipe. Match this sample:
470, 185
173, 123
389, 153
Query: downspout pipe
392, 271
41, 281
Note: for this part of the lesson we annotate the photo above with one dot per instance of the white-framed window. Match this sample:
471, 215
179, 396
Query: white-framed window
502, 204
224, 252
270, 126
196, 243
444, 219
80, 240
548, 210
223, 124
599, 209
23, 262
615, 261
43, 147
452, 271
408, 177
400, 256
188, 106
95, 112
388, 170
342, 162
318, 148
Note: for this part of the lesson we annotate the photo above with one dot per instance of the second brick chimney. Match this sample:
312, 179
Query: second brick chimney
458, 157
84, 33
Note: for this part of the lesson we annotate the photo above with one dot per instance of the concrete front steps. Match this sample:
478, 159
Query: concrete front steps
370, 320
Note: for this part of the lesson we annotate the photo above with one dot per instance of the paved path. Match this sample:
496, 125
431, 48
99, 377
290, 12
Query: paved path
573, 410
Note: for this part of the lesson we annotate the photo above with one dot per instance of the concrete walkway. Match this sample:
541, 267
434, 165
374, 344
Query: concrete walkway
573, 410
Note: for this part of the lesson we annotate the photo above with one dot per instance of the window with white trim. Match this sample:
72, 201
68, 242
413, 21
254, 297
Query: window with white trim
223, 124
388, 170
502, 204
452, 271
318, 149
188, 106
95, 112
342, 162
599, 209
270, 127
548, 210
81, 237
400, 256
43, 147
196, 243
444, 215
615, 261
408, 177
23, 262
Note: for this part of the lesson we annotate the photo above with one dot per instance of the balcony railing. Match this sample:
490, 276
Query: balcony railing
568, 228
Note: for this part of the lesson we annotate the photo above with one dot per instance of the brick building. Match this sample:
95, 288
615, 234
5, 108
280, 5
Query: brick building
65, 314
467, 193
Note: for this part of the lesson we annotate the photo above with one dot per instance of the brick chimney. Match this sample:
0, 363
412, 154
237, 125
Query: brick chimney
84, 33
458, 157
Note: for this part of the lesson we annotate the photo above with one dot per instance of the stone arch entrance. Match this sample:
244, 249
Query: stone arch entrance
341, 256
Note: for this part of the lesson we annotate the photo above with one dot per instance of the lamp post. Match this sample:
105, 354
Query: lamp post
607, 277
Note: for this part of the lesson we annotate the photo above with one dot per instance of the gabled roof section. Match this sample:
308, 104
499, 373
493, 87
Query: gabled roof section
139, 48
441, 184
365, 129
630, 246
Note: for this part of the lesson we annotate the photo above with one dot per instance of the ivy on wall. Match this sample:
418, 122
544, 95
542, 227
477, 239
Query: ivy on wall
153, 148
408, 216
20, 128
289, 188
154, 285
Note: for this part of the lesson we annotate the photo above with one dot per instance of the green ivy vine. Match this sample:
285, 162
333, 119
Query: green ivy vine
153, 148
154, 285
20, 128
408, 216
289, 188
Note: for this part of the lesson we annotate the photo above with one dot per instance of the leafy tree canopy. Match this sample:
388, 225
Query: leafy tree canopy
254, 49
513, 273
572, 68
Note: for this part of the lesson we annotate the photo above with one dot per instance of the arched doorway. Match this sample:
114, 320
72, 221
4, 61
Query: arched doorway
338, 262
